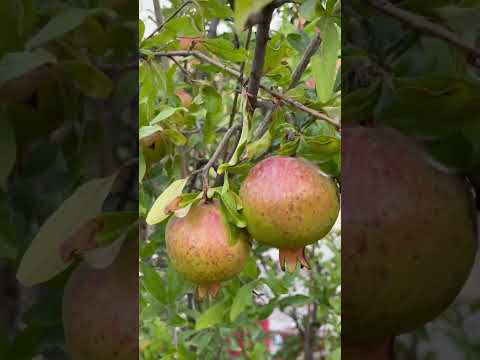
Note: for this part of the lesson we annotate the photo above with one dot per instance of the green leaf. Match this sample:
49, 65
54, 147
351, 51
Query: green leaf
318, 148
308, 9
60, 25
43, 260
8, 148
213, 9
141, 31
90, 80
14, 65
154, 283
242, 300
258, 147
146, 131
142, 166
228, 200
294, 300
214, 105
250, 270
243, 8
244, 138
157, 212
225, 49
324, 65
175, 136
213, 316
114, 225
166, 113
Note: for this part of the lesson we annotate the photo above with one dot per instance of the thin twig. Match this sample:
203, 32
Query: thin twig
220, 149
420, 24
240, 81
236, 74
188, 76
297, 74
160, 27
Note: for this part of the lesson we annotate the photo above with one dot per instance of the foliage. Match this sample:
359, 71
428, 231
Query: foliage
193, 109
405, 74
63, 70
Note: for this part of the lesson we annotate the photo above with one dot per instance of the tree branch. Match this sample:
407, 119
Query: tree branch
420, 24
220, 149
236, 74
240, 81
297, 74
161, 26
256, 72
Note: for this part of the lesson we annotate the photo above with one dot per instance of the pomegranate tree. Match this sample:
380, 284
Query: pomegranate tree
288, 204
100, 309
408, 235
204, 248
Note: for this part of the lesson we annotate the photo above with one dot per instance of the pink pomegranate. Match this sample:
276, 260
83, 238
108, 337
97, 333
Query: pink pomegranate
289, 204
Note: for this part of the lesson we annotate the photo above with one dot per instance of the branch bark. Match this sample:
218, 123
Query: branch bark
259, 57
420, 24
236, 73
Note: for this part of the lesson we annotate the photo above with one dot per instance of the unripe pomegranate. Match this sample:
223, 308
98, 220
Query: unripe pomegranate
199, 246
288, 204
100, 309
408, 235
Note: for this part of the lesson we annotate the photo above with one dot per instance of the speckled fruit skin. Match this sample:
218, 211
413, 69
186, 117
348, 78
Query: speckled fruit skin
288, 202
198, 246
100, 309
408, 238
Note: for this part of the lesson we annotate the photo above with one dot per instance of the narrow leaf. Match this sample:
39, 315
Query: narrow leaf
157, 213
213, 316
43, 259
241, 300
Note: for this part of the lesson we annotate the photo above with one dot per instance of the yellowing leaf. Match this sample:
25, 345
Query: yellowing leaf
43, 260
157, 213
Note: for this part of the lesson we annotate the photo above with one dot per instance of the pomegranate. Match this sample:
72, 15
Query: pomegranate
204, 248
288, 204
408, 235
100, 309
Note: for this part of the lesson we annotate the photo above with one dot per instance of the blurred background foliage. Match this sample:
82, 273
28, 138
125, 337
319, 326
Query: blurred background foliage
68, 113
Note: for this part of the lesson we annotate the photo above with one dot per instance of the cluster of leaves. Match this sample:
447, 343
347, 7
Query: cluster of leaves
60, 63
187, 105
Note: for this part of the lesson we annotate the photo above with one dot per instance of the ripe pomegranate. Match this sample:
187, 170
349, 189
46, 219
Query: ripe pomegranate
100, 309
408, 235
198, 247
289, 204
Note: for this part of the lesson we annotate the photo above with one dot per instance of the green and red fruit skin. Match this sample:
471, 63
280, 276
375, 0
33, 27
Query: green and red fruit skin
288, 204
408, 235
100, 309
204, 248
